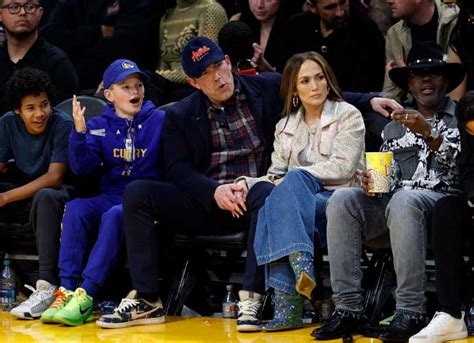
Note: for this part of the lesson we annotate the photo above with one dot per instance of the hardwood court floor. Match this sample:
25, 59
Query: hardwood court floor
176, 329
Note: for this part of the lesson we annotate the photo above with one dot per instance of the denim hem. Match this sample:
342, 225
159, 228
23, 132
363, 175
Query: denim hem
357, 311
281, 286
274, 256
410, 312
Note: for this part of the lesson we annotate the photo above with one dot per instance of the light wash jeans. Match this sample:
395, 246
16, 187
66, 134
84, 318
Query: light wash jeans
353, 218
293, 213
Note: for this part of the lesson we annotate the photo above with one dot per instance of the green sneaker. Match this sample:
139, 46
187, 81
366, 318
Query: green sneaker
77, 311
62, 298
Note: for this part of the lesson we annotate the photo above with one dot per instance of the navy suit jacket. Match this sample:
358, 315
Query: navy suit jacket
187, 142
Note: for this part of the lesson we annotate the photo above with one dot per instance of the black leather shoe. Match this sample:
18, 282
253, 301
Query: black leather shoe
340, 324
403, 326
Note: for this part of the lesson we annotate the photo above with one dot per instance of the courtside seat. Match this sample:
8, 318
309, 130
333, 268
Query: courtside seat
210, 251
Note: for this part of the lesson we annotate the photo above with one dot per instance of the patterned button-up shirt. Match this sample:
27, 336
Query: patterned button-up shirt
237, 148
415, 165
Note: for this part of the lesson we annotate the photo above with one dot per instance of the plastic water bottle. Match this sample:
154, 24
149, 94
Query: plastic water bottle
7, 284
229, 305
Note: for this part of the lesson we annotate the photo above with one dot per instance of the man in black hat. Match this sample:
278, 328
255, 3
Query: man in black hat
424, 142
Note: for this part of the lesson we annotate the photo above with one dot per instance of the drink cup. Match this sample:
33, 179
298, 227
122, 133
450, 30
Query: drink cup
379, 165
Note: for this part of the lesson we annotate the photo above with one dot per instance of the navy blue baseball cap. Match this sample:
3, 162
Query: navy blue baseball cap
198, 54
119, 70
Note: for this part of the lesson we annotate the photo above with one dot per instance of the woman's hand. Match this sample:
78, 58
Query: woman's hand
78, 115
231, 197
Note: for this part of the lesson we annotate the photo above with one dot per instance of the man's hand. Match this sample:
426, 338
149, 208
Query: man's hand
107, 31
78, 115
384, 106
366, 182
231, 197
413, 120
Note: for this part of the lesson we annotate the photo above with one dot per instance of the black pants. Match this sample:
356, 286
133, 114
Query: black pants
452, 226
147, 201
45, 212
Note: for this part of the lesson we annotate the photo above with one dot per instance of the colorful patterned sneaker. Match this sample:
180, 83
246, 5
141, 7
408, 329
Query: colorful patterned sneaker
37, 303
77, 311
132, 311
62, 298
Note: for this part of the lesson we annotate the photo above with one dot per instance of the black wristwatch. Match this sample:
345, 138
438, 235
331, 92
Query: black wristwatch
434, 134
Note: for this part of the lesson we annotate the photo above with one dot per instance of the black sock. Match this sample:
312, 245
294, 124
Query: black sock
150, 297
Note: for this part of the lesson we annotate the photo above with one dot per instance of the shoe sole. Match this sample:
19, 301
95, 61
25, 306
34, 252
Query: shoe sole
147, 321
285, 328
451, 337
25, 315
305, 285
248, 328
73, 323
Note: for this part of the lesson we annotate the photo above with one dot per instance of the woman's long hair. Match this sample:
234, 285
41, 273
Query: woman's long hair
290, 75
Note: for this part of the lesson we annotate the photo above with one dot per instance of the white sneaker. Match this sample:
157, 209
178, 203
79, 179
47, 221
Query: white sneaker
38, 301
248, 315
443, 327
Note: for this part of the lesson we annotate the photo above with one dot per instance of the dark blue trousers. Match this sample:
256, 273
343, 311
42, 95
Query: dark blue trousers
148, 201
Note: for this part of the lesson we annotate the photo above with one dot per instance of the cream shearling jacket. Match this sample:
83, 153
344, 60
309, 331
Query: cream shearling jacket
337, 151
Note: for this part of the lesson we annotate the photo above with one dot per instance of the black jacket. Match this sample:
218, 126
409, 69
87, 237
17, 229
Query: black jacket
356, 52
75, 26
46, 57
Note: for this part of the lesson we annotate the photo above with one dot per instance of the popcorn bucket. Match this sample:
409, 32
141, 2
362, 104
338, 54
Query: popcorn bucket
379, 165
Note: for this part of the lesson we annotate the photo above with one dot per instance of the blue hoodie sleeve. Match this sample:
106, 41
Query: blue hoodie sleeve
85, 151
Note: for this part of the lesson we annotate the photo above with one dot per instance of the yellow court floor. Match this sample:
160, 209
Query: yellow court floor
176, 329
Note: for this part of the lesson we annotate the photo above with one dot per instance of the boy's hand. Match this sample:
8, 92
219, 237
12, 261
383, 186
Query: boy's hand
78, 115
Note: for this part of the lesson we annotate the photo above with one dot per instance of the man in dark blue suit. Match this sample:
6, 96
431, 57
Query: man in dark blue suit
222, 131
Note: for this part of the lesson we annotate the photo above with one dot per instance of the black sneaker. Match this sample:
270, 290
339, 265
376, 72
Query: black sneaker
133, 311
341, 324
403, 326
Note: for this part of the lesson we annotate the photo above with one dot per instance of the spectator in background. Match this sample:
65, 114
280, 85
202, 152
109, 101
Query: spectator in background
26, 48
380, 12
419, 21
35, 135
236, 41
96, 32
341, 37
461, 49
183, 20
268, 21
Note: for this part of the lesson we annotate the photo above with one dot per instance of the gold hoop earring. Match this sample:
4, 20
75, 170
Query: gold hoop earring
295, 101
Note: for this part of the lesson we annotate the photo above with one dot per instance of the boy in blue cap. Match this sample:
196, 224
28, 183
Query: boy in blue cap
123, 141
